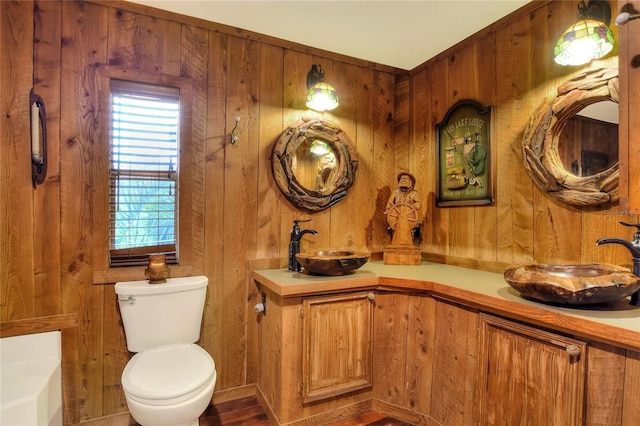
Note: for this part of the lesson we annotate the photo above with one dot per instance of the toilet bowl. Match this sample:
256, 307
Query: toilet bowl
170, 380
170, 385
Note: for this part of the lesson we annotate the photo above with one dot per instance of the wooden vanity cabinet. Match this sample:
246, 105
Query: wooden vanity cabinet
316, 355
337, 344
429, 358
528, 376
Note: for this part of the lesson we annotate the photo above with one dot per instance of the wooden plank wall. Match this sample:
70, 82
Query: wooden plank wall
19, 297
510, 68
51, 250
48, 243
629, 138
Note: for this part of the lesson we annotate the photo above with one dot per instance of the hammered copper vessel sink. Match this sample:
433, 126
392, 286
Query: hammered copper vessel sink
572, 284
332, 262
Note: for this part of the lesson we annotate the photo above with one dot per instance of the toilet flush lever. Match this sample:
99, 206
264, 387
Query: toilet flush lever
130, 299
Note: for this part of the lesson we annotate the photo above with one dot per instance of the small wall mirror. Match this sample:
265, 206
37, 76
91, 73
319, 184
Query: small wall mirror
314, 164
570, 146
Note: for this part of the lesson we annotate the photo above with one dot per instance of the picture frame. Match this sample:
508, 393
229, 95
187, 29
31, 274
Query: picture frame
463, 163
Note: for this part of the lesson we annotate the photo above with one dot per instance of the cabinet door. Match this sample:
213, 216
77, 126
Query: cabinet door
337, 346
529, 376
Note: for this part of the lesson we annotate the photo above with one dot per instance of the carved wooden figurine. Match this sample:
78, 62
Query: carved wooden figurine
403, 217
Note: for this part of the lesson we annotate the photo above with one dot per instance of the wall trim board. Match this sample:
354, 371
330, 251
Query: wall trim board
38, 325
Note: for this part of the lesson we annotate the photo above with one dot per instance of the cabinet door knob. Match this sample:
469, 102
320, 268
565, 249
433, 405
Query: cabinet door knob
371, 296
573, 350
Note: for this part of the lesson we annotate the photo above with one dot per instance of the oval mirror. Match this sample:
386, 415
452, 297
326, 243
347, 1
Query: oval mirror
314, 164
567, 151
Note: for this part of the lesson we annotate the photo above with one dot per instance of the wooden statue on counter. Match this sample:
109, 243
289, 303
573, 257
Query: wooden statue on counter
403, 217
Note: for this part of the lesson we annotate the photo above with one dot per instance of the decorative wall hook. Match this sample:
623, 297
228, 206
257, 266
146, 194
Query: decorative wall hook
234, 137
625, 17
38, 139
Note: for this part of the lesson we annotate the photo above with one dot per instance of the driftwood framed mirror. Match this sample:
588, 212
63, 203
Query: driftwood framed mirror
314, 164
568, 151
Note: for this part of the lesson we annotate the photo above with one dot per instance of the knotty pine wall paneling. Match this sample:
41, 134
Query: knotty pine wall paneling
434, 105
240, 217
238, 207
83, 44
212, 336
629, 49
268, 217
272, 121
194, 45
510, 67
46, 200
460, 84
415, 94
552, 221
514, 191
19, 294
295, 66
240, 203
345, 217
376, 169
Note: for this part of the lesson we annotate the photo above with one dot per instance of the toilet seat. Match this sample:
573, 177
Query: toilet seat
168, 374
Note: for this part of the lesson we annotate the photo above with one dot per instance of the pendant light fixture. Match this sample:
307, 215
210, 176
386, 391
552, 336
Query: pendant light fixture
321, 96
589, 38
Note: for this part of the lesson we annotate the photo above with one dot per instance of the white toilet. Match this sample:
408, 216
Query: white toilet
170, 380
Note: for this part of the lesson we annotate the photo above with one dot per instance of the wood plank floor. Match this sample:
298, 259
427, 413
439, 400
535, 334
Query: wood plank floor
372, 419
244, 411
248, 412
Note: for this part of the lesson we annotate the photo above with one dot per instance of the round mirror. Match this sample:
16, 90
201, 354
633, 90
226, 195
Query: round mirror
314, 164
570, 146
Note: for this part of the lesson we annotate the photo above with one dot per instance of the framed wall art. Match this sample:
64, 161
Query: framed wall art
464, 156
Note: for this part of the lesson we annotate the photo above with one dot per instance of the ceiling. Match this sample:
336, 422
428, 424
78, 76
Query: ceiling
398, 33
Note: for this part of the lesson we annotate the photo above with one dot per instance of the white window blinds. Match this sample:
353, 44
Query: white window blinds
144, 172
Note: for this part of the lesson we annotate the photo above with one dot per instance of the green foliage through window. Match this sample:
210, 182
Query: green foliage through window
144, 167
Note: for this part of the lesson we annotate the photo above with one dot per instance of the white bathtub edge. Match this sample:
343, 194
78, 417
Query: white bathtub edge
31, 380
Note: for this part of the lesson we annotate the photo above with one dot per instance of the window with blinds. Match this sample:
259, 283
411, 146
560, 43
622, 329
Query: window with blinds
144, 172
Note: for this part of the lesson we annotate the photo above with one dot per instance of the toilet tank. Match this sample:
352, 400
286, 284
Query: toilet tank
156, 315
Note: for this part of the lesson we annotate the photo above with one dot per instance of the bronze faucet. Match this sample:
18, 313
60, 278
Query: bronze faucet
634, 248
294, 243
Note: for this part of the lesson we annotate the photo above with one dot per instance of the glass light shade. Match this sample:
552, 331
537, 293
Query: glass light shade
320, 148
587, 39
322, 97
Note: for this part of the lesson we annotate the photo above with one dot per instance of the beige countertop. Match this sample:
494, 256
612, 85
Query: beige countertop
617, 323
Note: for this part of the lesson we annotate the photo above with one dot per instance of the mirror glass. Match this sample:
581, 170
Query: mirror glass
314, 164
588, 142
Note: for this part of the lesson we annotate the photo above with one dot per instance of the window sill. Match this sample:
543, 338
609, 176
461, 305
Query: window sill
136, 273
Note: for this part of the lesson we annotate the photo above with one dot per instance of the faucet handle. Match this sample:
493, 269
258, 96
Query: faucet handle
636, 236
297, 221
637, 225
